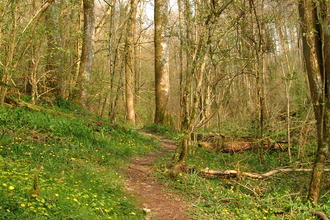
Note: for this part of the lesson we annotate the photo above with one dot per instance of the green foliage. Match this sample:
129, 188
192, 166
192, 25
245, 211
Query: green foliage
165, 130
64, 104
77, 166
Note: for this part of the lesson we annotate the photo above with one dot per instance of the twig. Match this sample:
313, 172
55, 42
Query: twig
248, 188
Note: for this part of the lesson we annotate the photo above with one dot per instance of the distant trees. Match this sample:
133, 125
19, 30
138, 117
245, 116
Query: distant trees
196, 71
209, 49
17, 43
39, 50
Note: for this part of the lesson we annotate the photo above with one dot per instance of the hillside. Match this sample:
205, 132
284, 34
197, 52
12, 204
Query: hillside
57, 165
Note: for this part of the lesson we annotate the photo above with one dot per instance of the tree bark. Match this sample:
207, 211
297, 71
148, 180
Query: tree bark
129, 67
162, 78
55, 56
86, 59
316, 50
7, 67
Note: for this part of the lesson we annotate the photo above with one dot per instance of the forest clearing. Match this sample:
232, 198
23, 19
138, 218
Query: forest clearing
164, 109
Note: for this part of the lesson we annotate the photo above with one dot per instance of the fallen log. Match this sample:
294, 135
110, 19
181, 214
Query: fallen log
235, 173
321, 215
239, 146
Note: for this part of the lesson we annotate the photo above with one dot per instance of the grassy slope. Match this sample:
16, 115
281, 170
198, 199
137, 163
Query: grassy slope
282, 196
76, 163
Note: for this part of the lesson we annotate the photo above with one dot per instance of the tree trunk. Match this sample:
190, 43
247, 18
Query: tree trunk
162, 78
86, 59
57, 77
184, 33
129, 67
314, 17
113, 52
7, 68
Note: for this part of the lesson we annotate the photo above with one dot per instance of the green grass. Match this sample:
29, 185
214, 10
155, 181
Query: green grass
282, 196
77, 163
166, 131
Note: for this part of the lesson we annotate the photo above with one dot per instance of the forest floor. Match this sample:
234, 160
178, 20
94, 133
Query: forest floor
150, 194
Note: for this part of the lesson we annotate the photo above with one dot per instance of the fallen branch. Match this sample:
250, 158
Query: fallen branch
248, 188
321, 215
235, 173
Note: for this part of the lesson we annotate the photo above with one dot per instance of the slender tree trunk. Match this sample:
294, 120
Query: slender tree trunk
129, 67
182, 75
7, 68
57, 78
288, 76
86, 60
261, 106
162, 78
186, 43
113, 50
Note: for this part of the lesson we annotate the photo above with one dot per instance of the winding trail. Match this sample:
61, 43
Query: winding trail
158, 203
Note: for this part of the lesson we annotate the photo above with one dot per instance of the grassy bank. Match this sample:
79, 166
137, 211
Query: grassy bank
59, 167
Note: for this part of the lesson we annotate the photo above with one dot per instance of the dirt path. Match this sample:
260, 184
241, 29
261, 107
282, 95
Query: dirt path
158, 203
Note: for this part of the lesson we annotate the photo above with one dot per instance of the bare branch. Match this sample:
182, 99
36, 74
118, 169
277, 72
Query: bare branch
42, 9
235, 173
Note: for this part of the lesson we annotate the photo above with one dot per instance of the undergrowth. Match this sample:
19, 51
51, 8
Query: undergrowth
166, 131
73, 162
282, 196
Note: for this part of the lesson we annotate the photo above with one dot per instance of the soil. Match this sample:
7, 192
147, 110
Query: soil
158, 203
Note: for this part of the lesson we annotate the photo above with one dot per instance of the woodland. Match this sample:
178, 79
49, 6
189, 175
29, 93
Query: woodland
241, 86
